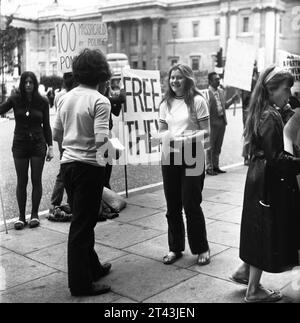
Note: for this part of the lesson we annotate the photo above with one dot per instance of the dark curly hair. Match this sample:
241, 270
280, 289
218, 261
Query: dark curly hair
90, 68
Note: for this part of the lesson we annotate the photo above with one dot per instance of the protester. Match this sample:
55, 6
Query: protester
32, 136
57, 211
116, 101
246, 96
270, 221
82, 125
218, 122
183, 114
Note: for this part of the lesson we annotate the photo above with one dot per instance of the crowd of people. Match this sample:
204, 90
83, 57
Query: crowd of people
269, 239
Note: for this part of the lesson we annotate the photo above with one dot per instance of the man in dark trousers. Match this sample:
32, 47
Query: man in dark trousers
218, 122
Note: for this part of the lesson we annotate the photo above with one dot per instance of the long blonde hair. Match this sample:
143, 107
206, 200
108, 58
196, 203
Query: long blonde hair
260, 99
190, 90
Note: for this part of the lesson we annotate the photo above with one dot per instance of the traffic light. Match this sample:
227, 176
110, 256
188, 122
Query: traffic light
220, 58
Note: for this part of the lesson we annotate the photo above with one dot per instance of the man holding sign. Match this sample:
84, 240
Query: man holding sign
218, 122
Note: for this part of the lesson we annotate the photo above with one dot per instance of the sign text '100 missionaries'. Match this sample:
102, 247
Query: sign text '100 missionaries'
73, 37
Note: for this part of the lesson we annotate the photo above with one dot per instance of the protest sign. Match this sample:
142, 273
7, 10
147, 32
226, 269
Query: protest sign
292, 63
141, 113
72, 37
239, 65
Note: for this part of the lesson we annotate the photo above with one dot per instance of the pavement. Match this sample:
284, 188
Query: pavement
33, 267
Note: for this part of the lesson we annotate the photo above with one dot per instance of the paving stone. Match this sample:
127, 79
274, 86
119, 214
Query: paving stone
64, 227
124, 300
120, 235
3, 251
51, 289
292, 291
233, 186
232, 198
222, 265
233, 216
16, 270
200, 289
134, 212
159, 222
209, 192
56, 256
139, 278
30, 240
148, 200
156, 248
210, 209
224, 233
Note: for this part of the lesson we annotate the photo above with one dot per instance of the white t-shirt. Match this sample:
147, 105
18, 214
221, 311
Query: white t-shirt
178, 118
82, 113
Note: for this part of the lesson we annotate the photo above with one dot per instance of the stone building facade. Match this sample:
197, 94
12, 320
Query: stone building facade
155, 34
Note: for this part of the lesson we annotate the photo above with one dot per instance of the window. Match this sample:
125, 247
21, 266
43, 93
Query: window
195, 29
53, 42
134, 35
217, 27
245, 24
144, 65
42, 42
195, 63
134, 64
174, 61
42, 68
54, 68
280, 25
174, 31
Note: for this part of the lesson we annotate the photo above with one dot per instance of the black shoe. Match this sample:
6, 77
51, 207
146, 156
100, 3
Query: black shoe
211, 172
101, 218
219, 171
105, 270
93, 291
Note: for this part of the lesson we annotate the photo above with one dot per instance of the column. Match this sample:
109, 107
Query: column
118, 37
257, 27
223, 31
140, 44
155, 47
233, 24
270, 36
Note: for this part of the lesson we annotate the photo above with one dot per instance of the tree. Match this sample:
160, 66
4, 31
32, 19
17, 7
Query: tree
51, 81
10, 38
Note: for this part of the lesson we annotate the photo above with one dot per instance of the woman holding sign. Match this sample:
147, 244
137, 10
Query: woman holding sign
184, 123
270, 221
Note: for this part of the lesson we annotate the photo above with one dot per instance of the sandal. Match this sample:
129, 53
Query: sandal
171, 257
20, 225
273, 297
34, 223
203, 261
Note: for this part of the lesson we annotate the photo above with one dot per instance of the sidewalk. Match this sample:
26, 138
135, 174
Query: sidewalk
33, 262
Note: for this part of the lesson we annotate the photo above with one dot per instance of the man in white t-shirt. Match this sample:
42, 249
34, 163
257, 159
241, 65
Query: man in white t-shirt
82, 125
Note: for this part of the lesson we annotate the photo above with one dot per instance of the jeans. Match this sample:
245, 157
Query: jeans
182, 191
84, 186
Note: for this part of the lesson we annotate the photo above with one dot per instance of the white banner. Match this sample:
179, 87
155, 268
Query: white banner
240, 60
72, 37
292, 63
141, 113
